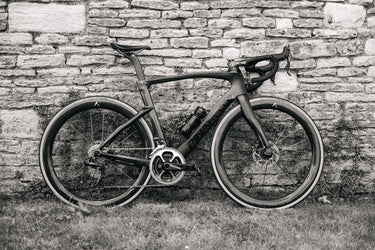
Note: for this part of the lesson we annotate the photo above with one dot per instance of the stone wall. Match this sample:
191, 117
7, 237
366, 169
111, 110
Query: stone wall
54, 51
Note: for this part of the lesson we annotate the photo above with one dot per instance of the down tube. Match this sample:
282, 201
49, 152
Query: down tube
211, 120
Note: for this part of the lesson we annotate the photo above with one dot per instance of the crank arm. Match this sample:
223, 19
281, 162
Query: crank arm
180, 167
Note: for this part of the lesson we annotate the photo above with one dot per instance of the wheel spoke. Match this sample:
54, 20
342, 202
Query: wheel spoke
292, 146
286, 173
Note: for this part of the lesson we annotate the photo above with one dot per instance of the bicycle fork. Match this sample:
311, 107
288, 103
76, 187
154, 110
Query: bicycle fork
253, 122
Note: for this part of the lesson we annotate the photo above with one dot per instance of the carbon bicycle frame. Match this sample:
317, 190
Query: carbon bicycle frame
237, 91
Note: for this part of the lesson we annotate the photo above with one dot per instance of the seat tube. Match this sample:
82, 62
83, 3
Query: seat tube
146, 96
251, 118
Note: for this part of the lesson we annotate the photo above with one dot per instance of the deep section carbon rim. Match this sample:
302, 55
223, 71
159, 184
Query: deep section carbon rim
255, 179
69, 161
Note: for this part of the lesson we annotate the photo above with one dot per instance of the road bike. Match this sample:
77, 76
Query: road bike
266, 152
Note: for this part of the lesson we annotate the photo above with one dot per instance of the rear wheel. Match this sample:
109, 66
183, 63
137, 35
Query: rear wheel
254, 178
69, 162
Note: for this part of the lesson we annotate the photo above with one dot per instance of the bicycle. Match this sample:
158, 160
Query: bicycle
266, 152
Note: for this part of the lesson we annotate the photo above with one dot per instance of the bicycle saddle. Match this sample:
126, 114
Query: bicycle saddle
126, 49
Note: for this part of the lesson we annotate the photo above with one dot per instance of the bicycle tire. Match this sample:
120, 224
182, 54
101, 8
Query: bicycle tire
67, 143
240, 172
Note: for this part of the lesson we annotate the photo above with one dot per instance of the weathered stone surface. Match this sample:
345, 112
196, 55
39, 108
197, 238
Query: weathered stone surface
113, 4
16, 72
207, 13
103, 13
284, 23
139, 14
195, 22
176, 14
224, 23
131, 33
214, 63
108, 22
308, 23
7, 62
364, 61
168, 52
206, 53
371, 22
303, 64
183, 62
189, 42
371, 71
329, 33
194, 6
333, 62
345, 72
370, 47
15, 38
38, 61
249, 48
58, 72
289, 33
91, 40
46, 17
154, 23
240, 13
311, 14
244, 33
281, 13
169, 33
339, 15
155, 4
350, 48
19, 124
80, 60
259, 22
51, 39
207, 32
283, 81
40, 49
309, 49
231, 53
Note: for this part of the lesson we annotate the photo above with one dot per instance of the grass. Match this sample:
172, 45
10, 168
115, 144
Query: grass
197, 223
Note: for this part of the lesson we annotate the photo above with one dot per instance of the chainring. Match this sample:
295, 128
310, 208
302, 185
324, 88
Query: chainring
166, 155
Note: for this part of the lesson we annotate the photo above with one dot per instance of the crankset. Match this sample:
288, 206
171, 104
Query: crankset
167, 165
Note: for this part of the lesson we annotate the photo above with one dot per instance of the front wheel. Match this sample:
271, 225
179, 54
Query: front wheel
68, 153
254, 178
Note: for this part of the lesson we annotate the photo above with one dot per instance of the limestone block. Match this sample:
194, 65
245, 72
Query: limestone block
246, 33
190, 42
176, 14
370, 47
31, 61
338, 15
7, 61
309, 49
250, 48
113, 4
259, 22
194, 6
19, 124
131, 33
15, 38
333, 62
283, 81
80, 60
168, 33
134, 13
207, 32
46, 17
155, 4
284, 23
